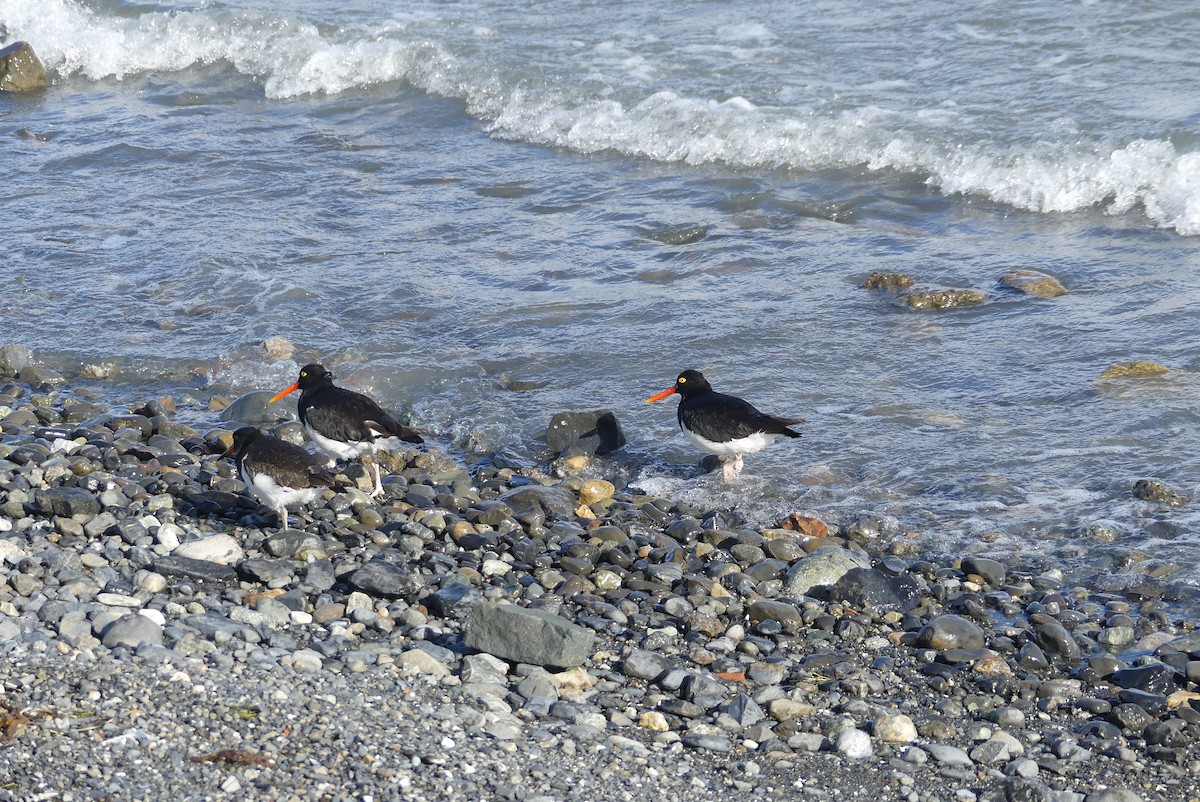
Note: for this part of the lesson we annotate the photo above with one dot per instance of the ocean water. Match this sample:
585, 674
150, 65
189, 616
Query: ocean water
491, 212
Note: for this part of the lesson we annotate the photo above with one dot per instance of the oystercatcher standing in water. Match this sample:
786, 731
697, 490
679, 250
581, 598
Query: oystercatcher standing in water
346, 424
276, 471
724, 424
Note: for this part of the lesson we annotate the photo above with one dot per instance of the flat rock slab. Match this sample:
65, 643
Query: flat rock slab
522, 635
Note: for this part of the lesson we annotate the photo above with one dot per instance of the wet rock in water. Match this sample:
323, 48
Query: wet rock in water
20, 69
14, 358
1139, 369
1034, 282
279, 347
254, 409
597, 432
825, 566
804, 524
951, 632
925, 300
37, 376
864, 588
1055, 639
1152, 678
555, 500
888, 281
524, 635
1154, 490
990, 571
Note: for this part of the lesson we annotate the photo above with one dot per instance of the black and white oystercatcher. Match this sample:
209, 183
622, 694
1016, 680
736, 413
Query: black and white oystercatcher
724, 424
343, 423
277, 471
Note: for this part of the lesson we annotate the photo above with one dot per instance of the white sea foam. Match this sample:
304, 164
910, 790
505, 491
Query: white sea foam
290, 57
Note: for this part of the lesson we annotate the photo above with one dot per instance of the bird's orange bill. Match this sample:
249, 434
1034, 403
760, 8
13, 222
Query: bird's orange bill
229, 450
661, 395
289, 389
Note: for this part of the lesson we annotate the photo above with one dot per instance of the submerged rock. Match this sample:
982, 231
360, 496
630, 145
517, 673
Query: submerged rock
597, 432
1154, 490
888, 281
20, 69
13, 358
255, 409
1034, 282
925, 300
1138, 369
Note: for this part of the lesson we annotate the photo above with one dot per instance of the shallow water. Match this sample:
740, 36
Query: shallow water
441, 199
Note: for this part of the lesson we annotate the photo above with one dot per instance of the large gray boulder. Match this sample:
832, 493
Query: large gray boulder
20, 69
523, 635
825, 566
596, 432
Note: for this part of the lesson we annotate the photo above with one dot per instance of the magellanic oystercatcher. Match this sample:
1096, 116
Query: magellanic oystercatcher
345, 424
724, 424
277, 471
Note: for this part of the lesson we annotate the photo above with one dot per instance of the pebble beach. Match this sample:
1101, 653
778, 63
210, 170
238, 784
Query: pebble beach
487, 630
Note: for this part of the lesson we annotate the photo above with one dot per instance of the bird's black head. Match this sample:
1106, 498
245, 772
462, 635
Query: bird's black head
686, 384
691, 382
313, 376
242, 438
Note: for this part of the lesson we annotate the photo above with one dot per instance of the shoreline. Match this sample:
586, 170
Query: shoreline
151, 617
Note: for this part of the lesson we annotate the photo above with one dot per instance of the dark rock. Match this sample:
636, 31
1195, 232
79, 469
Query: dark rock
1154, 490
554, 501
770, 610
863, 588
383, 577
264, 570
1031, 656
825, 566
991, 571
888, 281
1153, 703
20, 69
319, 577
523, 635
1026, 789
68, 502
1153, 678
289, 542
596, 432
950, 632
743, 710
1130, 717
453, 600
201, 570
926, 300
1055, 639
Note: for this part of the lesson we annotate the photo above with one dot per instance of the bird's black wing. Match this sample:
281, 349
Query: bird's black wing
350, 417
720, 418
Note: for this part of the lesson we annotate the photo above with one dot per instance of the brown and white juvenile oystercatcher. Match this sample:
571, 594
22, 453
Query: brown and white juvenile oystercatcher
343, 423
277, 471
724, 424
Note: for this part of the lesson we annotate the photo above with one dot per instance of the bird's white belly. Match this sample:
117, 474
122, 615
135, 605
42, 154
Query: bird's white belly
340, 450
743, 445
277, 497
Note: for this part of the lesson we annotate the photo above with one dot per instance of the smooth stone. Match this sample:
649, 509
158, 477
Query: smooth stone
132, 631
595, 433
525, 635
991, 571
1055, 639
895, 729
255, 409
220, 549
951, 632
948, 755
68, 502
825, 566
387, 579
202, 570
869, 588
709, 743
853, 744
